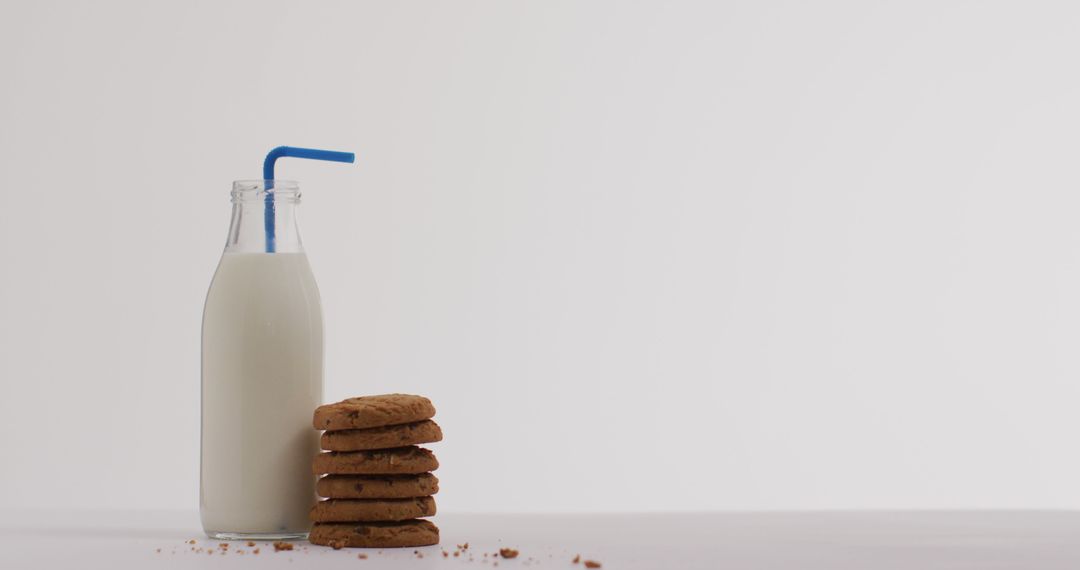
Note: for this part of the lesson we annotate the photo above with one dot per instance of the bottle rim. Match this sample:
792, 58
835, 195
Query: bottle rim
244, 190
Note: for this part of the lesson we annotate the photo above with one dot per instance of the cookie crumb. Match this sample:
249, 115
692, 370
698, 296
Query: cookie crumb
192, 541
223, 545
337, 544
256, 551
281, 545
159, 551
592, 564
577, 559
508, 553
457, 553
362, 556
251, 543
445, 554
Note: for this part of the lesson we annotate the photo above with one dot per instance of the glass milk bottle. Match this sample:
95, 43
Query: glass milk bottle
262, 372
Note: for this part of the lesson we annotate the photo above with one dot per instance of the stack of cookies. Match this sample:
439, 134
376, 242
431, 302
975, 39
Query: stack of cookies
378, 484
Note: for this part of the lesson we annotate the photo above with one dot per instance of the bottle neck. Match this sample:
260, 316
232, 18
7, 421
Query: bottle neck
264, 220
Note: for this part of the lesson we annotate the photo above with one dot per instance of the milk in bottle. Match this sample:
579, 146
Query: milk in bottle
262, 373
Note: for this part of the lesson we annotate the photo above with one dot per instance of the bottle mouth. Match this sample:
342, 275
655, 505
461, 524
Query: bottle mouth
260, 190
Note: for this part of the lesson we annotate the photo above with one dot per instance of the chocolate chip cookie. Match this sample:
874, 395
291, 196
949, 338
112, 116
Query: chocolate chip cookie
401, 460
373, 411
377, 486
375, 534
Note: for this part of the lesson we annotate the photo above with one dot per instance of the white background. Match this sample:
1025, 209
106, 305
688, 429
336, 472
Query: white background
642, 256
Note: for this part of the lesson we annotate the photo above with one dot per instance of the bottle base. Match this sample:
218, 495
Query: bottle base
218, 535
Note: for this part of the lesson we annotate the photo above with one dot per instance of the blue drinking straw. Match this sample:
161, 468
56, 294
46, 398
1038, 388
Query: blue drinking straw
268, 179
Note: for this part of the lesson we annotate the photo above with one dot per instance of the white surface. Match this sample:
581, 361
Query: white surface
705, 541
834, 241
